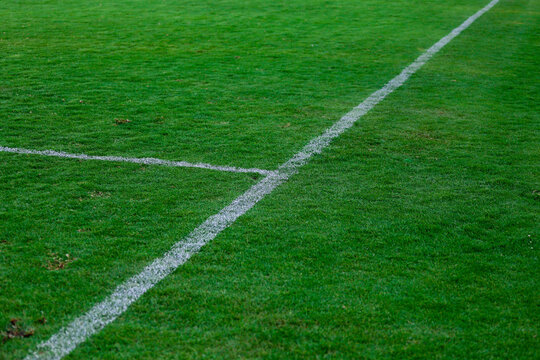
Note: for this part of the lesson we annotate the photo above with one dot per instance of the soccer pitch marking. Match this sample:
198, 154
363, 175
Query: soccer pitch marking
103, 313
146, 161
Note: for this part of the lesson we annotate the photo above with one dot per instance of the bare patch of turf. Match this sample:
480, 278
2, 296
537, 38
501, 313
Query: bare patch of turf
16, 329
59, 262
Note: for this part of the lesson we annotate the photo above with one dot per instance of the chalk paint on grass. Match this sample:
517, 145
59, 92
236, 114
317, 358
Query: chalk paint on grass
145, 161
103, 313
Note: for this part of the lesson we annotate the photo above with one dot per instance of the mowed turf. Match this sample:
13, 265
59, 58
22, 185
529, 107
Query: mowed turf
414, 235
71, 231
229, 82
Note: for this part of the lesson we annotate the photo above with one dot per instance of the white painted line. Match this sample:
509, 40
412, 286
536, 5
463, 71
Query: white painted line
146, 161
103, 313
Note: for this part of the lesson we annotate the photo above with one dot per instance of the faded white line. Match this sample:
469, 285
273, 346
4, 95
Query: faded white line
80, 329
146, 161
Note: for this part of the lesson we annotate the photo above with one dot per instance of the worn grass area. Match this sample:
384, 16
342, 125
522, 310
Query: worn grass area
414, 236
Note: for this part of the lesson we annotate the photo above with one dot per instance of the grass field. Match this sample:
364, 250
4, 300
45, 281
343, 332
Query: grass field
414, 235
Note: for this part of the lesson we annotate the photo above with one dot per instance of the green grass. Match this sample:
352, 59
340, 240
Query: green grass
414, 236
202, 81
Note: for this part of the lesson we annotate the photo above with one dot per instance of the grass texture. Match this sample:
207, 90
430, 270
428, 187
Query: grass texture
415, 235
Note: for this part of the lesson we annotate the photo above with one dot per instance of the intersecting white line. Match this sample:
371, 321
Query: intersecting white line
103, 313
146, 161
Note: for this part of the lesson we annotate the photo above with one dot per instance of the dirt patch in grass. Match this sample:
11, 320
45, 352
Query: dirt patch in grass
121, 121
59, 262
16, 330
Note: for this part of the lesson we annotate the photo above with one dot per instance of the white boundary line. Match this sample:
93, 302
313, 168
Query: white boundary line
146, 161
103, 313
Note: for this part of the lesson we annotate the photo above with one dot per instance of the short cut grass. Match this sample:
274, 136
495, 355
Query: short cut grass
415, 235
